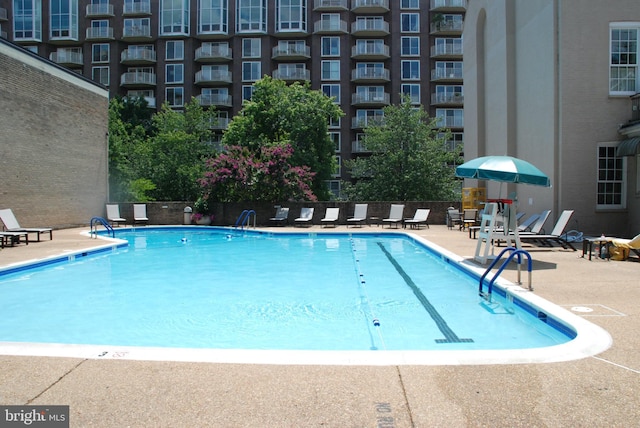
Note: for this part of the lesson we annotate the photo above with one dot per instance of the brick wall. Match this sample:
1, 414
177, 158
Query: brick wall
53, 142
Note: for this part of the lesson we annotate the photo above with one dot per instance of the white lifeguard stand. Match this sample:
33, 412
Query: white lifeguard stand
496, 224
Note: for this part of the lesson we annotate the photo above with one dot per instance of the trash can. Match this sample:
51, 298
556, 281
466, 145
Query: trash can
187, 215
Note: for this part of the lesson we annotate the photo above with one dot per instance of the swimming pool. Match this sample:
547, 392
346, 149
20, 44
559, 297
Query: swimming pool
344, 296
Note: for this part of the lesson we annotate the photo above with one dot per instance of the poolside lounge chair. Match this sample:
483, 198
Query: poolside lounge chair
536, 228
13, 238
330, 216
395, 215
113, 215
306, 215
626, 246
469, 218
11, 225
140, 213
453, 218
282, 216
556, 234
359, 214
420, 217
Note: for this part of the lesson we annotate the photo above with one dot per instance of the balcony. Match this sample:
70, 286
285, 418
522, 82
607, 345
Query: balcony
138, 57
370, 75
359, 147
137, 33
99, 10
67, 58
370, 6
330, 27
217, 100
370, 99
100, 33
291, 33
363, 122
454, 99
151, 102
370, 28
286, 52
446, 75
219, 123
213, 77
448, 5
138, 79
210, 54
446, 28
290, 75
447, 51
370, 52
328, 5
3, 14
137, 8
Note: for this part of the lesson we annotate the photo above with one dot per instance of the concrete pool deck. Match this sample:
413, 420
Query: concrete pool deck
601, 390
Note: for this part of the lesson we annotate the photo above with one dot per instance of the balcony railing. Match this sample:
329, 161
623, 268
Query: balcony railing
214, 76
363, 122
370, 51
66, 57
143, 56
359, 147
142, 32
219, 123
94, 10
142, 78
447, 27
292, 74
450, 122
370, 98
223, 100
446, 74
137, 8
447, 50
370, 6
330, 5
370, 74
213, 53
449, 99
3, 14
370, 28
291, 52
100, 33
448, 5
330, 27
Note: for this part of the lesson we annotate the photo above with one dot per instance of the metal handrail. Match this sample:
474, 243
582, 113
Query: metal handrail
514, 252
243, 219
99, 220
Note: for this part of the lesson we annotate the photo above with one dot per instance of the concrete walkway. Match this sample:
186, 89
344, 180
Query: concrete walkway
602, 390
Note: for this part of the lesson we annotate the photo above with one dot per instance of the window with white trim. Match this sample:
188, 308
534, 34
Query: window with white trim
175, 96
174, 17
100, 75
291, 15
410, 70
611, 188
213, 16
251, 16
251, 48
251, 71
335, 137
410, 46
174, 73
330, 46
330, 70
409, 4
410, 22
175, 50
27, 20
100, 52
332, 90
623, 62
412, 90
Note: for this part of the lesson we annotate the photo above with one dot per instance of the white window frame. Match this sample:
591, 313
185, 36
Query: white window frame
289, 25
176, 26
624, 71
413, 48
332, 90
256, 18
410, 22
177, 74
407, 69
611, 178
330, 70
177, 50
329, 43
254, 68
413, 90
97, 50
207, 15
174, 90
251, 48
104, 75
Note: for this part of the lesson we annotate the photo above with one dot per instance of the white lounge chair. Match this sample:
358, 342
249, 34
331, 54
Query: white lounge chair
359, 214
282, 216
306, 215
556, 234
113, 215
395, 215
330, 216
140, 213
420, 217
11, 225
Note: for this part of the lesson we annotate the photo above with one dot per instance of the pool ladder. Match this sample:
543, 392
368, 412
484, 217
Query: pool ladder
95, 221
243, 219
514, 252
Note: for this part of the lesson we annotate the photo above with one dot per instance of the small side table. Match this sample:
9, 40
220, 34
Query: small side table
587, 245
374, 220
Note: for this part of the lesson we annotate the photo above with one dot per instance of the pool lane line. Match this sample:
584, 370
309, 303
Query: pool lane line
450, 336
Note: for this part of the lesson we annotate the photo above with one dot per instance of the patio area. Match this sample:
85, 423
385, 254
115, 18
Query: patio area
596, 391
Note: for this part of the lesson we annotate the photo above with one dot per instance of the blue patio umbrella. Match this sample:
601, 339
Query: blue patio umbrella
503, 169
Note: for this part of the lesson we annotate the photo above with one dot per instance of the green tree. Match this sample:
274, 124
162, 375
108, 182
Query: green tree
409, 160
280, 114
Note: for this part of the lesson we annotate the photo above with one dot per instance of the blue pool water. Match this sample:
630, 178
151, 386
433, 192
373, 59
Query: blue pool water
215, 288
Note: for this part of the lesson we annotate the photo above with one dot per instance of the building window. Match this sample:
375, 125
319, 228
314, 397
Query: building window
27, 20
174, 17
456, 140
409, 46
330, 70
251, 16
100, 75
335, 123
410, 70
213, 16
448, 70
330, 46
447, 46
623, 69
334, 188
247, 92
412, 90
335, 137
251, 48
332, 91
174, 96
100, 52
291, 15
410, 22
64, 19
175, 50
450, 117
174, 73
136, 6
409, 4
611, 173
251, 71
338, 166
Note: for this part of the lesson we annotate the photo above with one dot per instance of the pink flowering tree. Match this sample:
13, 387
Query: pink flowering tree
238, 174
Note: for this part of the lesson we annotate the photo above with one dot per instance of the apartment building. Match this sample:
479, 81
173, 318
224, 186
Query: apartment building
364, 53
556, 82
